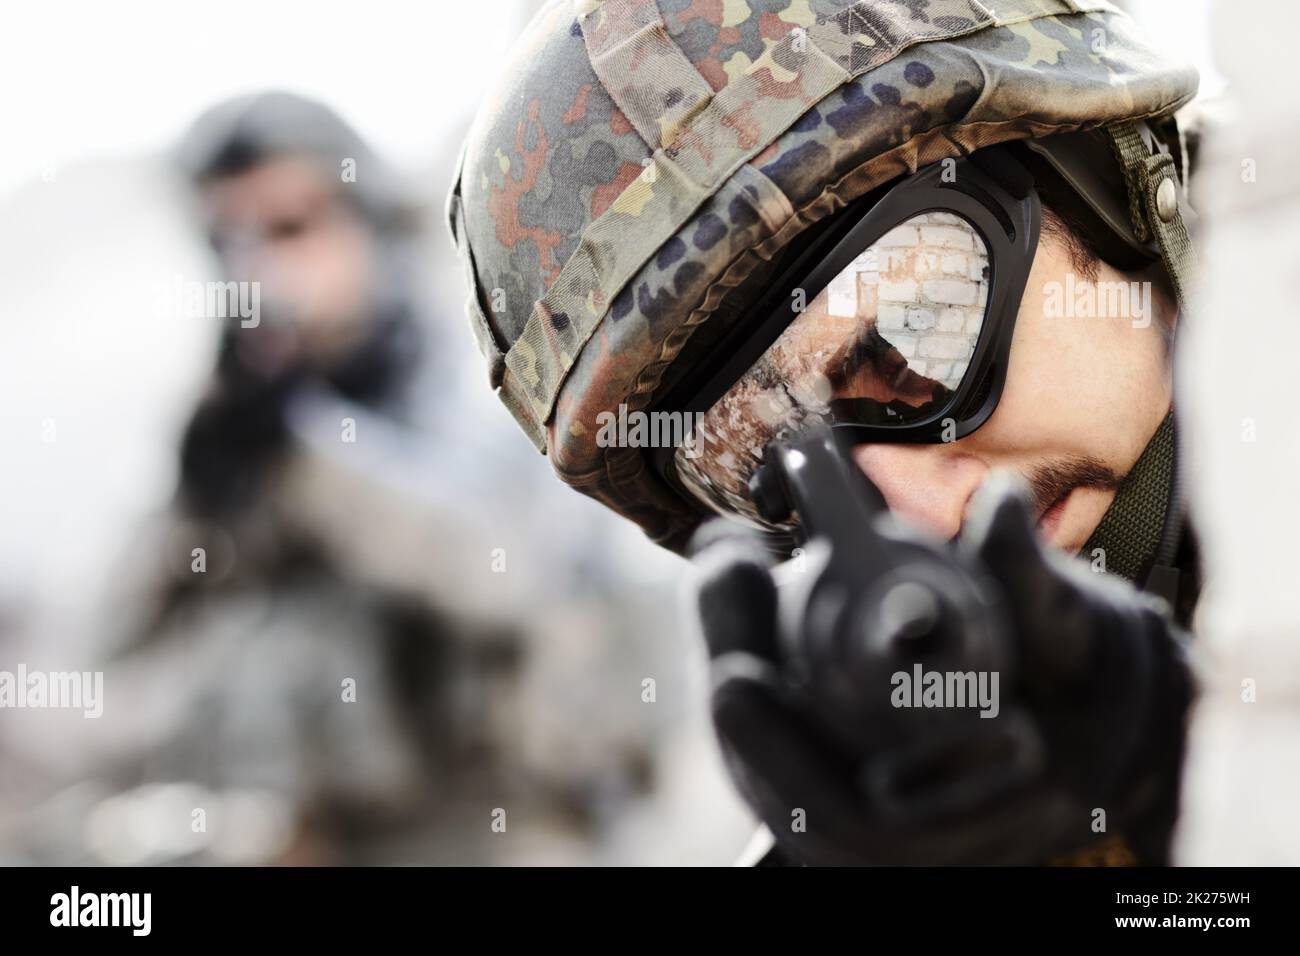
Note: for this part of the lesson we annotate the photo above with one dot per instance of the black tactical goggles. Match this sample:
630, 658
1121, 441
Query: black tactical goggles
894, 322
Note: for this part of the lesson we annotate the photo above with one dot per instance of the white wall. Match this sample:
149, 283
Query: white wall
1238, 391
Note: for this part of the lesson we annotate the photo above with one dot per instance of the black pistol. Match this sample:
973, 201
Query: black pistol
870, 616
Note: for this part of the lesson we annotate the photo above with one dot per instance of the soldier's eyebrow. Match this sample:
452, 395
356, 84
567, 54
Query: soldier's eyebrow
1049, 482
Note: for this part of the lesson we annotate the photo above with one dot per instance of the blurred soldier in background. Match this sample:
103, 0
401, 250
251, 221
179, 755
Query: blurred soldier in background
293, 201
320, 647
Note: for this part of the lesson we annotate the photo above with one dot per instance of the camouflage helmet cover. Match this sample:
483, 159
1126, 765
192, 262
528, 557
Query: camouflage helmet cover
641, 161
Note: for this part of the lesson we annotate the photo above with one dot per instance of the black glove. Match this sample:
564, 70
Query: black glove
1100, 693
1103, 668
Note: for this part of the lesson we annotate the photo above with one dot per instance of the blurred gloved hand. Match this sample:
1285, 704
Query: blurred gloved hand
1102, 678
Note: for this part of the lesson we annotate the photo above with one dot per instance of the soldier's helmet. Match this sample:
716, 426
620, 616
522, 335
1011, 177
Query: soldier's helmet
646, 168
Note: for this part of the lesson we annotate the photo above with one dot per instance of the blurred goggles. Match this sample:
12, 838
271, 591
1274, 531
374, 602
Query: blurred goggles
893, 325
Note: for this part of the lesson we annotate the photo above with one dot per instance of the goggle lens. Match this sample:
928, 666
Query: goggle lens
887, 342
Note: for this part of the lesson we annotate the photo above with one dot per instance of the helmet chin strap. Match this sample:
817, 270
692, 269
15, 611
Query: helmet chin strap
1139, 534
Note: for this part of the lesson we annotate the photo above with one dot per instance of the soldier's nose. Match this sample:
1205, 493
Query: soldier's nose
927, 485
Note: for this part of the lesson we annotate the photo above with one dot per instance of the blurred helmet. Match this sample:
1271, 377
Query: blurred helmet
646, 168
241, 133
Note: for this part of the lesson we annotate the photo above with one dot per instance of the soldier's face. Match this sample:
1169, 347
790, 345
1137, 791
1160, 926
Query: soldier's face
286, 225
1084, 394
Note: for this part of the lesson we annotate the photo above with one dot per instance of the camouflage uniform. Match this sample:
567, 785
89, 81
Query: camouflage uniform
642, 162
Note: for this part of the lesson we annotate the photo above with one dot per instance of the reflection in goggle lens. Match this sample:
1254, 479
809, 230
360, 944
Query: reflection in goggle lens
887, 342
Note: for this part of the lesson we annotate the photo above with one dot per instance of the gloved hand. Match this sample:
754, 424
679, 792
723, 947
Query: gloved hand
1101, 682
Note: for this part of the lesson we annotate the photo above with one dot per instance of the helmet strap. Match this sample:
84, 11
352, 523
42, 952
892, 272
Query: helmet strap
1138, 535
1157, 201
1159, 211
